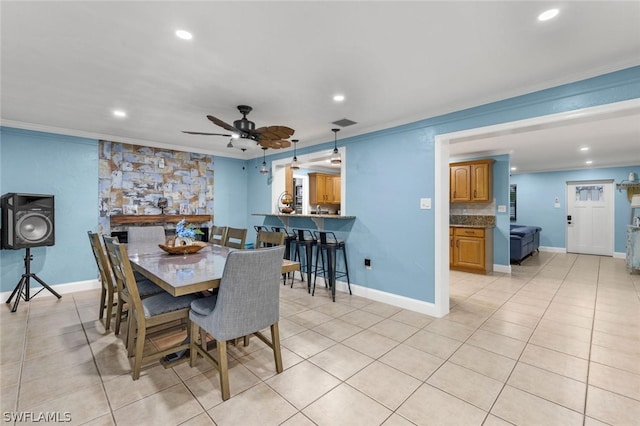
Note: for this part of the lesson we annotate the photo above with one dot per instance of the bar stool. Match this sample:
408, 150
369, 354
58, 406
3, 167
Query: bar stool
305, 240
289, 243
327, 246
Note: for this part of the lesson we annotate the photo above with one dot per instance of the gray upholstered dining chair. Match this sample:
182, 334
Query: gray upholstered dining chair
247, 301
144, 314
146, 235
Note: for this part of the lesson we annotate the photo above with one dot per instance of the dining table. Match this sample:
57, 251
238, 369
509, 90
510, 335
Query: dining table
180, 274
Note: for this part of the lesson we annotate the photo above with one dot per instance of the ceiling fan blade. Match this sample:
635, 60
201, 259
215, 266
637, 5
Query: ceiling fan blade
222, 124
274, 144
208, 134
275, 132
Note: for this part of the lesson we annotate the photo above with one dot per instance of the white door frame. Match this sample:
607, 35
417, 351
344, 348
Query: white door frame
441, 175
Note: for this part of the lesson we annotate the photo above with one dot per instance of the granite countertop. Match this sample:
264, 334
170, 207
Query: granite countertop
472, 221
312, 216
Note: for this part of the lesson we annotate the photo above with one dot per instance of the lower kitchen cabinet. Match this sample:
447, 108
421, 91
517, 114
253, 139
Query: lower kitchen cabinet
471, 249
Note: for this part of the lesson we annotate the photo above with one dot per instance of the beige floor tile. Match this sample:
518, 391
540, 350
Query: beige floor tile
466, 384
298, 420
612, 408
583, 311
337, 329
561, 343
377, 379
170, 406
310, 318
450, 329
429, 405
621, 344
615, 358
556, 362
262, 364
470, 319
516, 318
9, 398
303, 383
10, 374
508, 329
614, 380
259, 405
307, 343
395, 330
94, 405
414, 362
481, 361
206, 387
550, 386
124, 390
434, 344
527, 309
104, 420
628, 331
578, 333
341, 361
345, 405
202, 419
289, 328
522, 408
335, 309
369, 343
361, 318
496, 343
39, 345
495, 421
569, 319
381, 309
412, 318
396, 420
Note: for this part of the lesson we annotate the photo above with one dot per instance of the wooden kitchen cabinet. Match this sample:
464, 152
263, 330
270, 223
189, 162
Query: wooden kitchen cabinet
471, 249
470, 181
324, 188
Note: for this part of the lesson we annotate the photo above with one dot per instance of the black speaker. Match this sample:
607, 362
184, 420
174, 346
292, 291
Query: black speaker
27, 220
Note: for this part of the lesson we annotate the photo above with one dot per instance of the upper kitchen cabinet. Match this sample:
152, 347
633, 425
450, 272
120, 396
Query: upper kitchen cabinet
471, 181
324, 188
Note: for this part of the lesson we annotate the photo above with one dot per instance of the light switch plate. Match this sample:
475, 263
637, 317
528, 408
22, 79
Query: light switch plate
502, 209
425, 203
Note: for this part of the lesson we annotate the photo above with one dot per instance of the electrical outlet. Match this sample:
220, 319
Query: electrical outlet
367, 264
425, 203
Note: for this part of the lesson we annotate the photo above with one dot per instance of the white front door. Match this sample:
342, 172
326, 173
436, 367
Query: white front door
590, 217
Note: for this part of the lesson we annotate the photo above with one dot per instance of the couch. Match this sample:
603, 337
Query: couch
524, 241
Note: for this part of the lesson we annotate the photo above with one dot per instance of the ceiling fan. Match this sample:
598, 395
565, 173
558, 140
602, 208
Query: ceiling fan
274, 137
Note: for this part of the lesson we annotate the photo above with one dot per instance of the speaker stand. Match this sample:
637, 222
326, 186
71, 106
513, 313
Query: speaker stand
23, 287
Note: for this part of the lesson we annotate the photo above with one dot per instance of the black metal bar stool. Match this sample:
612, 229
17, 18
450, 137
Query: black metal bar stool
326, 248
305, 240
289, 244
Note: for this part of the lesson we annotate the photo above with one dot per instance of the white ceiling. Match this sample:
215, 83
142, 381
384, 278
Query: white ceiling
67, 65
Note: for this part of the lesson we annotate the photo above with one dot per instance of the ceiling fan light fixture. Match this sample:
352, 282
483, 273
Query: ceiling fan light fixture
230, 144
184, 35
335, 158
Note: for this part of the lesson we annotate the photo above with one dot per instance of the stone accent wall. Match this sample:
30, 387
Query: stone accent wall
132, 179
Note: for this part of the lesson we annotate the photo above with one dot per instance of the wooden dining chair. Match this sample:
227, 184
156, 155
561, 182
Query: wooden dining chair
269, 239
218, 235
235, 238
247, 301
157, 310
109, 287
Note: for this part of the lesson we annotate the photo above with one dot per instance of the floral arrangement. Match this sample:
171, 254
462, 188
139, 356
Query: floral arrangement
187, 230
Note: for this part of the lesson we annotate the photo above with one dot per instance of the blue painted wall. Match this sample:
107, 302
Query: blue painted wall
66, 167
387, 172
537, 191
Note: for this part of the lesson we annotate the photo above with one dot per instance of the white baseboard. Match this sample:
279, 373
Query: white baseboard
403, 302
59, 288
505, 269
618, 255
553, 249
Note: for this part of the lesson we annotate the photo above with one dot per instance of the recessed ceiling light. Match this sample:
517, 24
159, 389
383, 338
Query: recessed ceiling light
584, 148
185, 35
338, 98
513, 169
548, 14
588, 162
119, 113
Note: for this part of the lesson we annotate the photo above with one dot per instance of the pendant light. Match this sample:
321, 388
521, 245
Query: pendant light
264, 169
335, 157
294, 164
